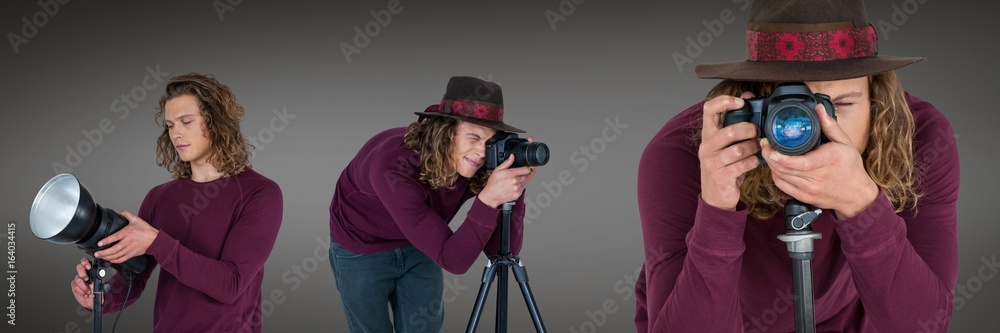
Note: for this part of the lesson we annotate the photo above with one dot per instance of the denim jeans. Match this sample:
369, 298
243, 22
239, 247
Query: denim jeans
404, 279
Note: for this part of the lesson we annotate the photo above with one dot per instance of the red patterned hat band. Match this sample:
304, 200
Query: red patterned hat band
810, 42
471, 109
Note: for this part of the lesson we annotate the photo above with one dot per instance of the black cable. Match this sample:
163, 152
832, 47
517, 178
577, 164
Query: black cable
128, 276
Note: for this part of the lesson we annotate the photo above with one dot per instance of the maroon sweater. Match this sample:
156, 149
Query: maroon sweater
380, 204
712, 270
214, 239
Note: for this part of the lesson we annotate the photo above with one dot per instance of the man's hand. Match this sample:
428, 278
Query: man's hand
832, 176
726, 153
133, 240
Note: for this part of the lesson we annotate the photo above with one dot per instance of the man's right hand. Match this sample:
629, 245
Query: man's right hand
505, 184
725, 153
82, 290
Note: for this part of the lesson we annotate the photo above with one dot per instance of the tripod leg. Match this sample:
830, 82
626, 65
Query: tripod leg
489, 273
521, 275
805, 319
502, 278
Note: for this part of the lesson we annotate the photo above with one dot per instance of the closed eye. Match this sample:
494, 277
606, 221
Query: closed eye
847, 100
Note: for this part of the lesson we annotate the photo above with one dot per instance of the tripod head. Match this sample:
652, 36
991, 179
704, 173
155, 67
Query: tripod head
798, 216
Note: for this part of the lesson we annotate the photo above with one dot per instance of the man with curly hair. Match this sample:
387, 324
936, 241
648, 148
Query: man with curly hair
210, 229
391, 208
887, 179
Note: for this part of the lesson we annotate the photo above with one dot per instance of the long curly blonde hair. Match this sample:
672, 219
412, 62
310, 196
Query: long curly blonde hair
230, 151
432, 138
888, 156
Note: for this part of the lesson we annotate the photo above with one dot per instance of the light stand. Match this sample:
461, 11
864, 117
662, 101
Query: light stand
96, 274
496, 267
799, 239
64, 212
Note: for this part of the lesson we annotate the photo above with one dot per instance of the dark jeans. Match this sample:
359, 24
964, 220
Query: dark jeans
404, 279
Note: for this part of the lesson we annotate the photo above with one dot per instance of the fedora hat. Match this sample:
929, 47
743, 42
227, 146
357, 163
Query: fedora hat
807, 40
472, 100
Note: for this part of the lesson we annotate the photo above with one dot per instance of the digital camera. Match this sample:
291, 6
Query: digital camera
503, 144
786, 118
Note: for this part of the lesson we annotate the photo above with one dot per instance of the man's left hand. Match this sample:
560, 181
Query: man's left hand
133, 240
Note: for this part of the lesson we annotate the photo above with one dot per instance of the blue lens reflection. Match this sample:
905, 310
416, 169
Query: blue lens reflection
792, 127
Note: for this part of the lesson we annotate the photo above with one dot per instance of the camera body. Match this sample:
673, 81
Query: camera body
786, 118
504, 144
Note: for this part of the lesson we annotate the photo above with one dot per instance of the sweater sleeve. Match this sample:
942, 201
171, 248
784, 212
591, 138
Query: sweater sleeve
405, 198
247, 247
119, 284
693, 251
891, 256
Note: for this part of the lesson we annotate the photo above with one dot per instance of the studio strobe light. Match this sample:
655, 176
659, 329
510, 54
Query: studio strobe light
64, 212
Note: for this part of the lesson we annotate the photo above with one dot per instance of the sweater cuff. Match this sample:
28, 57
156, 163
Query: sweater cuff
872, 228
484, 214
718, 229
162, 247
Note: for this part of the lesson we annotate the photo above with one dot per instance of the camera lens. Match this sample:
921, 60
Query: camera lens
792, 130
530, 154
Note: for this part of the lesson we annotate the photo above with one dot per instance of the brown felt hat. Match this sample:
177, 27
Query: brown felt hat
807, 40
472, 100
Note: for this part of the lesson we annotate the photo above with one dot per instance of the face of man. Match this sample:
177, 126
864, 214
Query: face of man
186, 127
852, 99
468, 147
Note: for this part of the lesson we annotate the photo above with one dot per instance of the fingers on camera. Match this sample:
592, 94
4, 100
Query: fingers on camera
731, 155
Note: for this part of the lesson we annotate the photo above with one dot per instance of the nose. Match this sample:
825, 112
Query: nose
175, 133
481, 150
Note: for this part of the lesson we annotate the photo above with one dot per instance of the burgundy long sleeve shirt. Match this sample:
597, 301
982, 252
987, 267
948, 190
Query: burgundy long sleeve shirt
380, 204
214, 239
713, 270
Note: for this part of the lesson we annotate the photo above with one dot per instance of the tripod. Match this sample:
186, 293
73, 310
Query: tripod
799, 239
496, 267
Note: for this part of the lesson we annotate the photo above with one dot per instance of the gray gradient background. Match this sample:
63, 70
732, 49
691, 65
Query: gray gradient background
609, 59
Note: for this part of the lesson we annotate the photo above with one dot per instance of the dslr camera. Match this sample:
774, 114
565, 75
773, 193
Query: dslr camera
786, 118
504, 144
